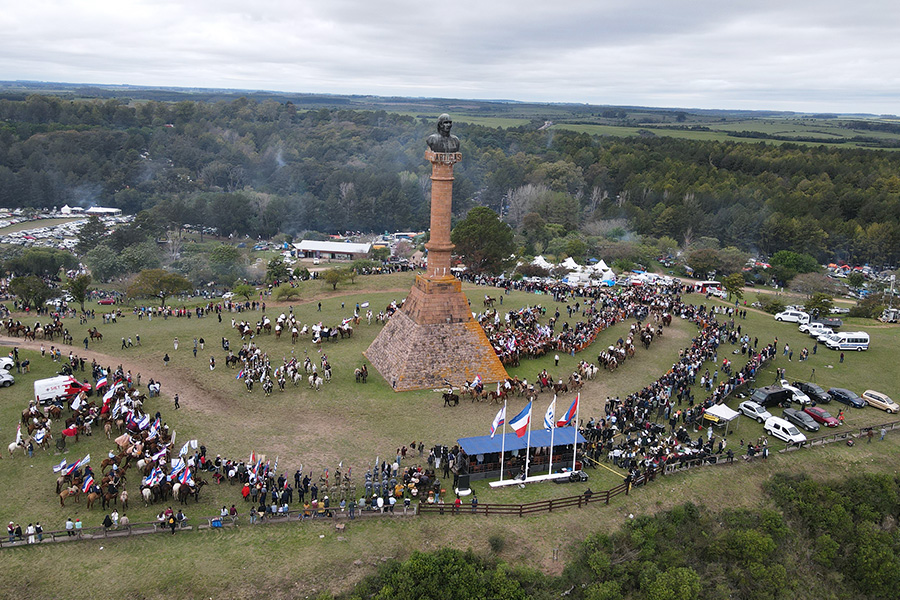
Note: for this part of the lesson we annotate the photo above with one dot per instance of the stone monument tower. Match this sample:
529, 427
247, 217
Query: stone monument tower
433, 338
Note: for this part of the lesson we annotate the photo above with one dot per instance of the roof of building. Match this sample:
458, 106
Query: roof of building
345, 247
540, 438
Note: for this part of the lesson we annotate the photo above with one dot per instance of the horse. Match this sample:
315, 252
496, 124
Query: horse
450, 399
91, 498
489, 301
315, 381
67, 493
95, 335
123, 498
12, 447
147, 495
361, 374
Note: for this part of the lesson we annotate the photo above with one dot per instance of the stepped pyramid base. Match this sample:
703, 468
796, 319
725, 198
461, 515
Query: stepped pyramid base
434, 339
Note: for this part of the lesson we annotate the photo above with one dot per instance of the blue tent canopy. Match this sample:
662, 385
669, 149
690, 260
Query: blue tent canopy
540, 438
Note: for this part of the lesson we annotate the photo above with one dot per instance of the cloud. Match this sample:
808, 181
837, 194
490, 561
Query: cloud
817, 56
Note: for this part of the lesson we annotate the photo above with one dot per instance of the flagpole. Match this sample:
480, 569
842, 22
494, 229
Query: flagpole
503, 440
552, 430
575, 441
528, 444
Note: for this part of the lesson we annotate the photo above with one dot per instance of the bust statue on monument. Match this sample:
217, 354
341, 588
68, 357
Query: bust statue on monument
443, 141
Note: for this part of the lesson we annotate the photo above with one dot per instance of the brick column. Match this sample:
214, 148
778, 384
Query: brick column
439, 245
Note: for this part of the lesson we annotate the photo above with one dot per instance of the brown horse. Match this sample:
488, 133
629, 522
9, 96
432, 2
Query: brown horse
70, 492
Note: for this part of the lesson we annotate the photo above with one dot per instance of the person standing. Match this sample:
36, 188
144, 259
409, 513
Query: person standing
39, 531
29, 531
70, 527
175, 343
883, 433
166, 359
177, 405
842, 357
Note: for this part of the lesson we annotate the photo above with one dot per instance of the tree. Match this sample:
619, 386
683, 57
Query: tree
334, 276
819, 305
158, 283
734, 284
704, 261
381, 253
795, 261
286, 292
244, 290
809, 284
79, 286
483, 241
276, 270
90, 235
856, 279
105, 263
32, 290
43, 262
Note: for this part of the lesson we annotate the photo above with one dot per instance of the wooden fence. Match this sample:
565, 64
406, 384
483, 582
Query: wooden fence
840, 436
529, 508
334, 515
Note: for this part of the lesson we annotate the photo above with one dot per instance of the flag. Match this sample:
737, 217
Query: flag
520, 422
477, 380
240, 374
275, 468
185, 448
60, 466
86, 486
19, 435
102, 381
570, 414
144, 423
548, 418
252, 458
76, 403
194, 444
40, 435
185, 478
84, 461
498, 420
159, 454
364, 305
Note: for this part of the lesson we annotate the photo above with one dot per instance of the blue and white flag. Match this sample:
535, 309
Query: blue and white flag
144, 423
548, 418
498, 421
185, 448
40, 435
60, 466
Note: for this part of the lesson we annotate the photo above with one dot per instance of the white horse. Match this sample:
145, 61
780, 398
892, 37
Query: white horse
315, 381
14, 445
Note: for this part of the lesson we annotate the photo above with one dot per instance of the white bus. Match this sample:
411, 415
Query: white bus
703, 287
848, 340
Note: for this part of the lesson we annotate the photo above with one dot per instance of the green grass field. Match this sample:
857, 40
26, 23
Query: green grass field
356, 423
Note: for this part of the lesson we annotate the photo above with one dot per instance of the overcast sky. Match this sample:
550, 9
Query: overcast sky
802, 55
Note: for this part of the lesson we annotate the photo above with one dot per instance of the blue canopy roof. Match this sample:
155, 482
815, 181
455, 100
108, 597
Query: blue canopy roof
540, 438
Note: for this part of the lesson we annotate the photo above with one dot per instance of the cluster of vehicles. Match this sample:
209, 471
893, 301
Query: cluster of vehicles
6, 378
823, 330
810, 416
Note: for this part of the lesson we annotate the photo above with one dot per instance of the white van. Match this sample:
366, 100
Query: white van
793, 316
62, 386
783, 430
848, 340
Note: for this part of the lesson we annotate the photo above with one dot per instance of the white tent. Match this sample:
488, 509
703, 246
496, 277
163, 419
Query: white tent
721, 415
542, 262
570, 264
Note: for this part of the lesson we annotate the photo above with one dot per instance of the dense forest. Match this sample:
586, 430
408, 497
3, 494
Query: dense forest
825, 540
259, 168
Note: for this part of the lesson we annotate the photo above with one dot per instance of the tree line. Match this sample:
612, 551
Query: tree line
254, 168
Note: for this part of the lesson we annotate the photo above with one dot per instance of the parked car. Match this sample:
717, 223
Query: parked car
876, 399
820, 333
6, 363
800, 419
772, 395
847, 397
783, 430
815, 393
798, 396
821, 416
754, 411
793, 316
805, 327
106, 301
6, 379
228, 295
